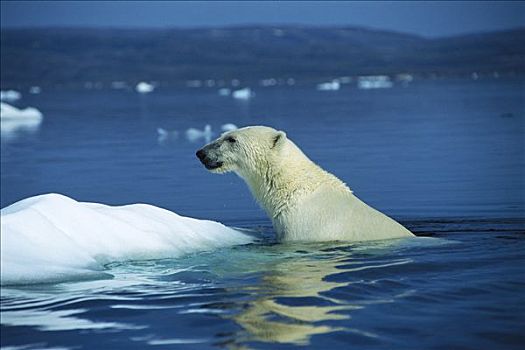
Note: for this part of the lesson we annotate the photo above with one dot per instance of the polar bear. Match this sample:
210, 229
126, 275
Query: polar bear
304, 202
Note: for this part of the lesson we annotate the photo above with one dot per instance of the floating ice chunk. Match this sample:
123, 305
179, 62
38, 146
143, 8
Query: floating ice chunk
35, 90
228, 127
11, 129
374, 82
224, 92
10, 95
243, 94
10, 112
165, 135
144, 87
193, 134
333, 85
53, 238
14, 121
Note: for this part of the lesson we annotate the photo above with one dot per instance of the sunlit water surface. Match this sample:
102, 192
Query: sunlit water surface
445, 158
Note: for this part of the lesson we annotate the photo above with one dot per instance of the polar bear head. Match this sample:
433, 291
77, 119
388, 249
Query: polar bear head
245, 151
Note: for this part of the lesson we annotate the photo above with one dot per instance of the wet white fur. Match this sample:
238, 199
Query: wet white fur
304, 202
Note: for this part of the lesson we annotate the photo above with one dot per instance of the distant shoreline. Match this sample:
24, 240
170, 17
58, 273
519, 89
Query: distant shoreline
64, 56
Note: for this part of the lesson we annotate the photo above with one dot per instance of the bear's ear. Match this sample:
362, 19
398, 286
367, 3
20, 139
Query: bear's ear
279, 140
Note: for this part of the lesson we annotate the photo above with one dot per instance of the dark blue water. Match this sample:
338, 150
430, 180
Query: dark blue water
445, 158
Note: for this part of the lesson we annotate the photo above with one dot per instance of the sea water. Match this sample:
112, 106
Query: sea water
446, 158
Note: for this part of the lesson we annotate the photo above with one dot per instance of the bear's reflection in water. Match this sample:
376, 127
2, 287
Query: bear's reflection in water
269, 319
294, 294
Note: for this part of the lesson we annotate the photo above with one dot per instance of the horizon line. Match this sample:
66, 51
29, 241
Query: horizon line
248, 25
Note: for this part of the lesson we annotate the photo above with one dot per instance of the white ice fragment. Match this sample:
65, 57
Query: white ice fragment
165, 135
193, 134
243, 94
53, 238
12, 113
144, 87
228, 127
14, 121
333, 85
374, 82
10, 95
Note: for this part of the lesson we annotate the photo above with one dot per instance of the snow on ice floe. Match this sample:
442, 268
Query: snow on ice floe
243, 94
53, 238
10, 95
144, 88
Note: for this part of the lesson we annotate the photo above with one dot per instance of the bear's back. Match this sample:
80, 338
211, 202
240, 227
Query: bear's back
329, 214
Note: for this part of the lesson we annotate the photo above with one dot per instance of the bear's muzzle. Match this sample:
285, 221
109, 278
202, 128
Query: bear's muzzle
208, 163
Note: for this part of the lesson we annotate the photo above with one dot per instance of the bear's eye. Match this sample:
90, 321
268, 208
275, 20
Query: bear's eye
230, 139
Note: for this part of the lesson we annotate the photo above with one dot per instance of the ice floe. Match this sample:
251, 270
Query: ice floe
10, 95
53, 238
165, 135
243, 94
374, 82
8, 112
144, 87
333, 85
14, 121
228, 127
193, 134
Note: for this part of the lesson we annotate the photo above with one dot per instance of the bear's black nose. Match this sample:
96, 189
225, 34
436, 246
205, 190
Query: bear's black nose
200, 154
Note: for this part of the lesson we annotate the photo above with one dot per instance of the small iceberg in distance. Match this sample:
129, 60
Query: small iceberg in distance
144, 88
374, 82
243, 94
193, 134
8, 112
52, 238
228, 127
333, 85
14, 121
10, 95
165, 135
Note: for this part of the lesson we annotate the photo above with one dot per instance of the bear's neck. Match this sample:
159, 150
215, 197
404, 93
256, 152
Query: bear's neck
278, 183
